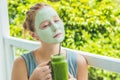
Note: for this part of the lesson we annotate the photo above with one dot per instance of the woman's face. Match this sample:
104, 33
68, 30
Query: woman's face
49, 26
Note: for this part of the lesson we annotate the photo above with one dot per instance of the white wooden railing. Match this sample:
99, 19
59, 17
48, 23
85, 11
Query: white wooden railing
8, 43
104, 62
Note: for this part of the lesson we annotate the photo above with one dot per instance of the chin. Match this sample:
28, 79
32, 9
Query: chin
56, 42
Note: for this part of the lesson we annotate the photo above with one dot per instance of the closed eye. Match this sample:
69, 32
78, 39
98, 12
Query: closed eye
56, 20
45, 25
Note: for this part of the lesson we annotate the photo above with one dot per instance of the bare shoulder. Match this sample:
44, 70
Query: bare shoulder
19, 60
82, 68
19, 71
81, 60
19, 63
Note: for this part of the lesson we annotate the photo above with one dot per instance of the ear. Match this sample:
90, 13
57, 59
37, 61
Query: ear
34, 35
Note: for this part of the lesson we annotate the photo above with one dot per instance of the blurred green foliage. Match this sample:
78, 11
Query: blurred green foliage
91, 25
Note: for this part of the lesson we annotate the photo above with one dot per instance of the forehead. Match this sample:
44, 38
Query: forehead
45, 13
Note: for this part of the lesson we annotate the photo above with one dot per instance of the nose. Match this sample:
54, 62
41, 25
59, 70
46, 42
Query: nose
54, 26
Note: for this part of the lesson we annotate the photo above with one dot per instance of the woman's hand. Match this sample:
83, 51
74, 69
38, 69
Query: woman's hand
70, 77
42, 72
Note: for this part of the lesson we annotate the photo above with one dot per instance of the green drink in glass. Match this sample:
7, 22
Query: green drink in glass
59, 67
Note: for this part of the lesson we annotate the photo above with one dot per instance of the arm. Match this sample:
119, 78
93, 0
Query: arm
19, 71
82, 68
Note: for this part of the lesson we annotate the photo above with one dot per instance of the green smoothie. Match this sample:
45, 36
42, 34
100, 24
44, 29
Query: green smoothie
59, 67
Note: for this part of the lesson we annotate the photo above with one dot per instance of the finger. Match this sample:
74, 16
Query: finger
47, 71
49, 79
49, 76
72, 79
44, 68
69, 75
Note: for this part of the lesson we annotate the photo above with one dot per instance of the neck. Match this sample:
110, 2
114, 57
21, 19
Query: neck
50, 49
46, 50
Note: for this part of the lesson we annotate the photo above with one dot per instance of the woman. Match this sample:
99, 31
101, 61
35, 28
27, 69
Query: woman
45, 25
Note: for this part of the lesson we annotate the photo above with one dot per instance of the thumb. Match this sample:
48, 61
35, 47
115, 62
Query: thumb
69, 75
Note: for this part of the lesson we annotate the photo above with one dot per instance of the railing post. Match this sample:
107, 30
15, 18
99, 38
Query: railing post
3, 72
6, 58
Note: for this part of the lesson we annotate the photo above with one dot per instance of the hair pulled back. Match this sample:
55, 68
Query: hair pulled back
30, 16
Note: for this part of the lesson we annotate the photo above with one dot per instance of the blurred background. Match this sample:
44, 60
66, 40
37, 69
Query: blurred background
91, 25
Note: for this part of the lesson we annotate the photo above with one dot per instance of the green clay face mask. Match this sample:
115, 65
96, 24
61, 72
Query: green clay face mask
52, 33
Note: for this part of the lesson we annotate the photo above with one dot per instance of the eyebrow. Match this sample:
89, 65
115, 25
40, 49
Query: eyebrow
43, 22
48, 20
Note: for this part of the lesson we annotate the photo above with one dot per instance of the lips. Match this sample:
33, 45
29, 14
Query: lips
57, 35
